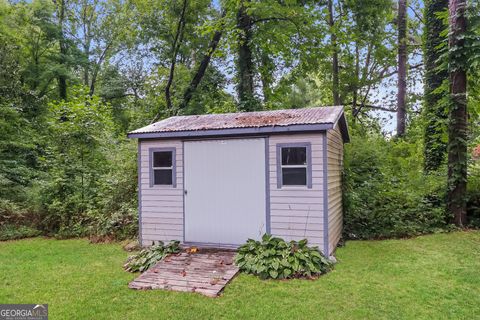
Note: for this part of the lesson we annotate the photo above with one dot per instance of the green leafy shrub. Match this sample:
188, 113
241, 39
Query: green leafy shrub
86, 183
16, 222
11, 232
117, 214
277, 259
473, 194
10, 212
119, 225
148, 257
386, 193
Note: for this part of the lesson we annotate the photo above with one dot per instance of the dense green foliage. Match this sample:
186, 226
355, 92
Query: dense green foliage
386, 192
429, 277
76, 76
435, 105
473, 193
274, 258
148, 257
12, 232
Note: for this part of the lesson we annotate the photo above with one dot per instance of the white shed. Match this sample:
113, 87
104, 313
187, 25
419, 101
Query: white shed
219, 179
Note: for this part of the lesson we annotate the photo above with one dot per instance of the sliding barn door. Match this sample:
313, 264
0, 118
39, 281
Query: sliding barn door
224, 190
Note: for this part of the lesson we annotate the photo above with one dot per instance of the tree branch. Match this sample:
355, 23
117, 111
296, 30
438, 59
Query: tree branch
187, 96
419, 17
269, 19
371, 106
175, 47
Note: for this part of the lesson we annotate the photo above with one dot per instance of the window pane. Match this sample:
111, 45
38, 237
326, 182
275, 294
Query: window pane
294, 176
294, 156
162, 159
163, 176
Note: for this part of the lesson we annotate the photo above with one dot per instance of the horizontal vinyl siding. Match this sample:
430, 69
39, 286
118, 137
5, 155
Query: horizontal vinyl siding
161, 206
296, 213
335, 167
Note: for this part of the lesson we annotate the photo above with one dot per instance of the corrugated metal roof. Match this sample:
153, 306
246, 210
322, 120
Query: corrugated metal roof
305, 116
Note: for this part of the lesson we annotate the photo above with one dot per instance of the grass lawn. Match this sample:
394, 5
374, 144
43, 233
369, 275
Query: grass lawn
429, 277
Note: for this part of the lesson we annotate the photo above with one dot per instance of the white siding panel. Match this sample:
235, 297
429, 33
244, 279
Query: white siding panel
297, 193
164, 191
296, 207
335, 167
159, 220
162, 215
297, 213
297, 219
161, 206
301, 227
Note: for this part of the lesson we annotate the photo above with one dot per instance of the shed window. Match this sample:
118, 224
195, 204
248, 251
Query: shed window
294, 165
162, 171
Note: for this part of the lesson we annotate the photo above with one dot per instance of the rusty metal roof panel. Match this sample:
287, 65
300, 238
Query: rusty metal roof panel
274, 118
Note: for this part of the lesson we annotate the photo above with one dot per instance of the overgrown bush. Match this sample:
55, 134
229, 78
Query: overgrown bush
10, 212
87, 178
148, 257
120, 225
116, 216
473, 194
13, 232
386, 192
16, 222
277, 259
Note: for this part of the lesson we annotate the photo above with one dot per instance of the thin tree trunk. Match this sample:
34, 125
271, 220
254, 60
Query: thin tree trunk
62, 79
97, 67
187, 96
335, 69
402, 68
246, 68
86, 45
435, 113
86, 69
355, 106
457, 130
265, 73
175, 47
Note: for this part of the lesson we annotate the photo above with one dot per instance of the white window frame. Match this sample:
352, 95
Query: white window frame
307, 166
173, 167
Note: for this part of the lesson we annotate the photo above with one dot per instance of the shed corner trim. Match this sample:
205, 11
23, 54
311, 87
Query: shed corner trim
325, 197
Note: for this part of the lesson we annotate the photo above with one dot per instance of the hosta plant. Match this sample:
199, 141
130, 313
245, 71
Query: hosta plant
275, 258
148, 257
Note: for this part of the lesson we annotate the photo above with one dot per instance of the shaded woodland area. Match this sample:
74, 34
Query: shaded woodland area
77, 75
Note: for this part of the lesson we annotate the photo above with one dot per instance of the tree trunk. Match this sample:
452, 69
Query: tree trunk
457, 130
435, 112
187, 96
62, 79
86, 69
266, 75
245, 65
402, 68
87, 39
333, 41
355, 104
175, 47
97, 66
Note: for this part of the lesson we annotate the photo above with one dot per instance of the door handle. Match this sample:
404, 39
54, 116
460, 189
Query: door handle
185, 192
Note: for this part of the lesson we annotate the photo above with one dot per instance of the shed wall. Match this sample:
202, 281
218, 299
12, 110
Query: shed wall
161, 206
297, 212
335, 165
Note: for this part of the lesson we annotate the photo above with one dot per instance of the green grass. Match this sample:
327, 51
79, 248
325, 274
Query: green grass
429, 277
